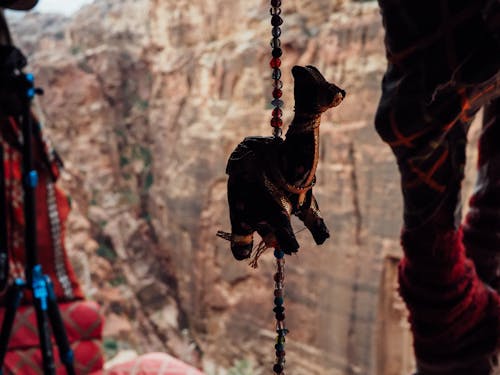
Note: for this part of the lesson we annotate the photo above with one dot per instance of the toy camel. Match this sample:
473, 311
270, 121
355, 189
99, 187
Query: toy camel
270, 178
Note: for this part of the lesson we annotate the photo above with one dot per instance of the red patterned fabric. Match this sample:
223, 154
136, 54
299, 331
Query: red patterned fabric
88, 359
482, 225
83, 322
153, 364
455, 318
50, 227
443, 66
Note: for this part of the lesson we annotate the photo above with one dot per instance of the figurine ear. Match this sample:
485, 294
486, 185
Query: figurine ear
316, 72
299, 72
313, 68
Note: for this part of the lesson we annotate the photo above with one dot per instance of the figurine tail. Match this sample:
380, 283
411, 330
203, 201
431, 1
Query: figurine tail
241, 245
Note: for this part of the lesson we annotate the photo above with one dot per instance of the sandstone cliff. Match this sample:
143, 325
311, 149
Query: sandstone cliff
145, 99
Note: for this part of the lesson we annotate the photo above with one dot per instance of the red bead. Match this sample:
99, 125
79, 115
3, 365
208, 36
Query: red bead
277, 123
277, 93
275, 62
277, 112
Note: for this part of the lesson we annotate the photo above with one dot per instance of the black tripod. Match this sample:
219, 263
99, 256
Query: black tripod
40, 285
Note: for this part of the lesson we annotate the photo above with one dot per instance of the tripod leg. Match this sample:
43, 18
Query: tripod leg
13, 298
63, 345
4, 258
40, 297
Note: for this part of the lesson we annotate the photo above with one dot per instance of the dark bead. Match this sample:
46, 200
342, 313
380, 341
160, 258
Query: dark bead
275, 63
275, 11
278, 301
278, 253
276, 32
278, 293
277, 52
279, 309
276, 74
277, 103
280, 317
278, 84
279, 347
276, 20
275, 43
277, 132
280, 353
277, 93
282, 332
276, 3
278, 368
278, 277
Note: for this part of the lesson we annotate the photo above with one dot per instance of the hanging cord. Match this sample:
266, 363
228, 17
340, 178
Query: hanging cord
276, 22
277, 124
279, 312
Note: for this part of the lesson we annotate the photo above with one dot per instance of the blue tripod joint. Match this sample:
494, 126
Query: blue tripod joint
31, 91
68, 357
39, 285
31, 179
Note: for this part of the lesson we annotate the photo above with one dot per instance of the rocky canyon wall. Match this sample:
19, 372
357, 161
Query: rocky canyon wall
145, 100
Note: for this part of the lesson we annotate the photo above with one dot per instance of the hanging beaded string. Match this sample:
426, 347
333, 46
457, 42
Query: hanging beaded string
279, 311
277, 124
276, 22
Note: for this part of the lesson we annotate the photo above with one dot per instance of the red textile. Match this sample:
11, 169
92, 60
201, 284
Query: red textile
455, 318
153, 364
50, 227
482, 225
82, 320
83, 323
88, 359
443, 66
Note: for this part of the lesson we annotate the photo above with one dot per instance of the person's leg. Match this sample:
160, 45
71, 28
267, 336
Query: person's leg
482, 224
454, 317
437, 79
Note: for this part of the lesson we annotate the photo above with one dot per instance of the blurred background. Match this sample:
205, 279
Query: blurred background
145, 100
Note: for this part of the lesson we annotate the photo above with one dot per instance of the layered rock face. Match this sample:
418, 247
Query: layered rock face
145, 100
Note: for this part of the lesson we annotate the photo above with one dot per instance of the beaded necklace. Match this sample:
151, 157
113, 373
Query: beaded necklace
277, 124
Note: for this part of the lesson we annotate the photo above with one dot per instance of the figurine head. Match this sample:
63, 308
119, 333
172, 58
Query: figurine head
313, 93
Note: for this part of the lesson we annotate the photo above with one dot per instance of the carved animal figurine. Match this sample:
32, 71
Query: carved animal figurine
270, 179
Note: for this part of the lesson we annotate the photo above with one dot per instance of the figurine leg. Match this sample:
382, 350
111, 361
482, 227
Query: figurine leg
274, 222
311, 216
239, 197
282, 228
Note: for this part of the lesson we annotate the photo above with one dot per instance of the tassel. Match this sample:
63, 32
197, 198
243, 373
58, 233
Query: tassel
224, 235
254, 263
